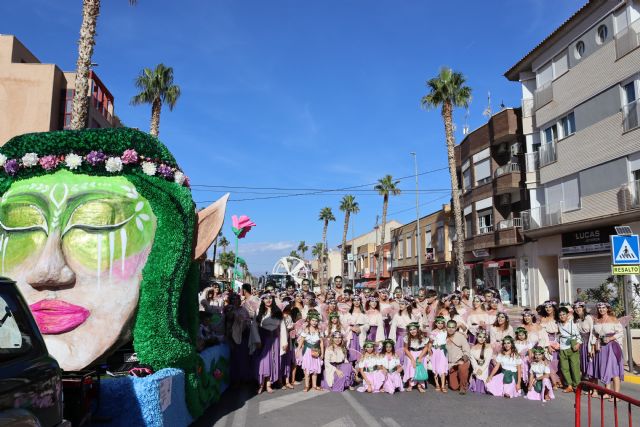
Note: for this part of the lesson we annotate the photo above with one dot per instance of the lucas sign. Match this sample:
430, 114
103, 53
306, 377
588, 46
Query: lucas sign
625, 250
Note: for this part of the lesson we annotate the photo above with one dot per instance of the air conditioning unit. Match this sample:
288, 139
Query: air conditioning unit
504, 199
515, 149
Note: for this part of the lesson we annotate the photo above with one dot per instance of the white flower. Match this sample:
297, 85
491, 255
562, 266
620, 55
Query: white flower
3, 160
113, 164
30, 159
73, 161
179, 177
149, 168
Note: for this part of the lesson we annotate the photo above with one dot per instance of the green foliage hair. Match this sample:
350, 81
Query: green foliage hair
166, 322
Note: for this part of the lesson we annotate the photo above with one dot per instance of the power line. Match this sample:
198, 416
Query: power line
422, 204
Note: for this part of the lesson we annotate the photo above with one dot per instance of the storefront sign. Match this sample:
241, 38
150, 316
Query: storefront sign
480, 253
625, 270
586, 241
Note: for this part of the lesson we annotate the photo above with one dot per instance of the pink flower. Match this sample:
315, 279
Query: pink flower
217, 374
242, 225
48, 162
129, 156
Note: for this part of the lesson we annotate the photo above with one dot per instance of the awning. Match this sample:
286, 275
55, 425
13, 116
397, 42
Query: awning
372, 284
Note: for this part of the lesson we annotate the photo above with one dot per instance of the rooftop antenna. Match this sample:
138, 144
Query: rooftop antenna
465, 128
502, 106
487, 111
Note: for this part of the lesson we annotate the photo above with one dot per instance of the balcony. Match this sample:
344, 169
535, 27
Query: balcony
547, 153
630, 116
507, 179
485, 229
532, 161
543, 95
628, 39
506, 224
505, 169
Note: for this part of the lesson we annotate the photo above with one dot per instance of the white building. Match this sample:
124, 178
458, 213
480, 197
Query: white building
580, 90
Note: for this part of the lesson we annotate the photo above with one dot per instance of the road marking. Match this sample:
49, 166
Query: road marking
240, 416
222, 422
286, 400
341, 422
390, 422
364, 414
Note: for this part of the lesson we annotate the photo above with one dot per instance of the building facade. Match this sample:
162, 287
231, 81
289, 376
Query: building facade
491, 167
436, 232
580, 90
37, 97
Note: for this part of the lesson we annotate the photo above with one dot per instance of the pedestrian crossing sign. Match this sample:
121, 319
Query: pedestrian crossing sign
625, 250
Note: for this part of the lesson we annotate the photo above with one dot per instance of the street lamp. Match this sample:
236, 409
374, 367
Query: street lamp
419, 239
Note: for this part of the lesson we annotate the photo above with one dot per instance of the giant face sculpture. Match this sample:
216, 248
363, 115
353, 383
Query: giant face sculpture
99, 229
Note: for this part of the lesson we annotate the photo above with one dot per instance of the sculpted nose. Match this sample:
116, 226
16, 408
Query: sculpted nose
51, 270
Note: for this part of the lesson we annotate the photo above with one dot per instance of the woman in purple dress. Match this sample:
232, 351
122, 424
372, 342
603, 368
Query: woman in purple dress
606, 347
338, 372
584, 322
273, 343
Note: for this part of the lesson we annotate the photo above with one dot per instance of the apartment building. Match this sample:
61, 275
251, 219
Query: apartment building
490, 163
37, 97
580, 90
436, 233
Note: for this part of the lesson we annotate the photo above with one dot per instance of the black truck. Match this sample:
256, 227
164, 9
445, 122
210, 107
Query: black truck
30, 379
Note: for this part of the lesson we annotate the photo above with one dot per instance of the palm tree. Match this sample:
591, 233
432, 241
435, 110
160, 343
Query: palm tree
386, 186
227, 261
303, 248
156, 87
325, 216
317, 251
448, 91
294, 254
90, 12
349, 206
224, 243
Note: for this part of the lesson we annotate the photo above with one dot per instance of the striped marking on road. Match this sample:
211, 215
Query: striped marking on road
341, 422
361, 410
390, 422
240, 416
286, 400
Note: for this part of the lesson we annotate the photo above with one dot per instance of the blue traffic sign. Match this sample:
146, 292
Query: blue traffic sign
625, 250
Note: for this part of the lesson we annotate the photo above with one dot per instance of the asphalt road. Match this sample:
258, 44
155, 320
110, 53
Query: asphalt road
241, 407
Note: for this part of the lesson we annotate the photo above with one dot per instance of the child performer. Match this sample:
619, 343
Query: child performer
507, 383
338, 372
539, 383
392, 367
288, 359
523, 347
439, 361
416, 348
311, 347
368, 366
481, 355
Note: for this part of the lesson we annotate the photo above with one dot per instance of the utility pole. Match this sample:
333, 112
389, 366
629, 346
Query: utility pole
419, 238
374, 257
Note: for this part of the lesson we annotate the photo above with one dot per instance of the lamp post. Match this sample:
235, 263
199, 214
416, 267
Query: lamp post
418, 239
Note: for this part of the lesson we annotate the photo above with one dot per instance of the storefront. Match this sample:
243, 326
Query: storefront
498, 274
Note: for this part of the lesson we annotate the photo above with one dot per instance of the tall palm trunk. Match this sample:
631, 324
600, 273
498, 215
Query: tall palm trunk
384, 223
455, 194
323, 256
155, 117
347, 215
90, 12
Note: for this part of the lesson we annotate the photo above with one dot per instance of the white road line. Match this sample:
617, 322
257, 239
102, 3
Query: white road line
390, 422
222, 422
341, 422
364, 414
286, 400
240, 416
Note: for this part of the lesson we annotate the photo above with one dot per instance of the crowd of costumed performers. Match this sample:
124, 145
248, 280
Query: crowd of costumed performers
376, 342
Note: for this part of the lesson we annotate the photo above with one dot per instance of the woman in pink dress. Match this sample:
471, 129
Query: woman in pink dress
311, 348
476, 318
374, 320
416, 348
549, 322
439, 361
392, 367
508, 382
369, 367
539, 387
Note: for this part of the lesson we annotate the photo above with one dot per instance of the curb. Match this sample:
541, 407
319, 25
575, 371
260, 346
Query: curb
633, 379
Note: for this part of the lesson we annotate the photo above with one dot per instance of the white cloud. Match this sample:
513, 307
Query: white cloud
267, 247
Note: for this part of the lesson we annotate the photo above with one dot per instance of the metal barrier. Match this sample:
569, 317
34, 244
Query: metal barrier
588, 386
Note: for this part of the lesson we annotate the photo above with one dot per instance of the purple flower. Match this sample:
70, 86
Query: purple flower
95, 157
48, 162
129, 156
165, 171
11, 167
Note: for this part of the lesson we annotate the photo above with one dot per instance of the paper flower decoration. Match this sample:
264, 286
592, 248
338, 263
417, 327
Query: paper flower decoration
241, 226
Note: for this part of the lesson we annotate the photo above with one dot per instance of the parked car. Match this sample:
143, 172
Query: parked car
30, 379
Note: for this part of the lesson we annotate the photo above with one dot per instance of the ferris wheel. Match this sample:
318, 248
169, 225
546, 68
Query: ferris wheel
292, 266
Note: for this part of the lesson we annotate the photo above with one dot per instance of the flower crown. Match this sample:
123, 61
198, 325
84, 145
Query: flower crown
113, 163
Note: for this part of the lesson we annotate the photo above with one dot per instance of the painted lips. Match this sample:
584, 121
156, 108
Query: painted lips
57, 316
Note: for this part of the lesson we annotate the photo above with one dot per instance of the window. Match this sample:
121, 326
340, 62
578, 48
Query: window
409, 247
568, 125
16, 336
579, 50
544, 75
440, 238
485, 221
601, 34
427, 241
563, 196
551, 134
560, 64
631, 117
636, 187
468, 227
401, 250
466, 176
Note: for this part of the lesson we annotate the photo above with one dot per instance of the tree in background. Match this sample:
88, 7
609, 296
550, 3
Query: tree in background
294, 254
227, 260
325, 216
386, 187
303, 248
224, 243
90, 12
349, 206
448, 91
156, 87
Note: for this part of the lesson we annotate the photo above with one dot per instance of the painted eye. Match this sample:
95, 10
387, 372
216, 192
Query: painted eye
101, 214
22, 216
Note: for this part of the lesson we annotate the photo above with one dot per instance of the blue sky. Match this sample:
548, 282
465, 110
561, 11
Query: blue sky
299, 94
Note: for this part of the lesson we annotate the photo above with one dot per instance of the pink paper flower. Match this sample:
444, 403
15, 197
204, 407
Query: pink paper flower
217, 374
48, 162
242, 225
129, 156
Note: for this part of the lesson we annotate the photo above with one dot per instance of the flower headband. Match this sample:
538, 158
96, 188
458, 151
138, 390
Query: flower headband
481, 333
313, 316
372, 299
521, 330
578, 304
333, 315
369, 344
603, 304
550, 303
336, 334
479, 298
508, 338
413, 325
266, 295
537, 350
388, 341
97, 160
528, 312
440, 319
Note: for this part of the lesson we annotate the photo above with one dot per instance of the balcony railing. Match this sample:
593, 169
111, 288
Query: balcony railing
505, 169
630, 116
527, 107
486, 229
506, 224
547, 153
628, 39
542, 216
543, 95
532, 161
483, 181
